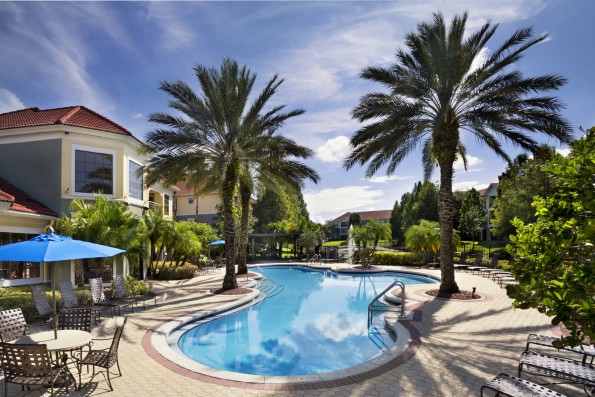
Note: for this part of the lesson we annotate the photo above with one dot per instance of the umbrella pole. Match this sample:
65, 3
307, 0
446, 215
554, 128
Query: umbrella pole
55, 317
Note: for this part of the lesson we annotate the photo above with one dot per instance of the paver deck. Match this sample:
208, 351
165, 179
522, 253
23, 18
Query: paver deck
463, 345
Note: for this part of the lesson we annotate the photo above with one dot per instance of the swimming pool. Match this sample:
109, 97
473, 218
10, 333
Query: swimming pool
316, 324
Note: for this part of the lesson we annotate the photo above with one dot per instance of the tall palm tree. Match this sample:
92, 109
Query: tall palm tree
215, 135
157, 226
436, 91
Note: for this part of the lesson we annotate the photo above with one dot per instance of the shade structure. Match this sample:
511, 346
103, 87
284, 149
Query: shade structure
217, 242
52, 248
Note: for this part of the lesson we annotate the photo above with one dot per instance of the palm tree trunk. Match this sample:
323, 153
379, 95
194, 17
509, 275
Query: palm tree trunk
229, 185
245, 193
448, 283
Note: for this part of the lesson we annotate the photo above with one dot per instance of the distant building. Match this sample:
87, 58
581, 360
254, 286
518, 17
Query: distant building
340, 229
488, 194
198, 208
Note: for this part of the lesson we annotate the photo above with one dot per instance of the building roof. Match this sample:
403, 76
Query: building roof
494, 186
186, 191
77, 116
21, 201
366, 215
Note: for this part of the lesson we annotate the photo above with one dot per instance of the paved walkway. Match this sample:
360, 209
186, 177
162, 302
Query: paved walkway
463, 344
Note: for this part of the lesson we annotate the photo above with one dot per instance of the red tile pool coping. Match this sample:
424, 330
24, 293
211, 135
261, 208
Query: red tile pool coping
410, 351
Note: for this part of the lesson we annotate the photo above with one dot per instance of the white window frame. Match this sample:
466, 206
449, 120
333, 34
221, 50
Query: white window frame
140, 164
93, 149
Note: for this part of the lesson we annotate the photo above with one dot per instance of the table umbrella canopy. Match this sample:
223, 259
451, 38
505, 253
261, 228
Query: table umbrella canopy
217, 242
52, 248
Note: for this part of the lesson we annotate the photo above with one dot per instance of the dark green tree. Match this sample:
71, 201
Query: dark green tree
472, 215
436, 91
395, 222
355, 219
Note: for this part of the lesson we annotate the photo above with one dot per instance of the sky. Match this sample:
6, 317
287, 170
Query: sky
112, 56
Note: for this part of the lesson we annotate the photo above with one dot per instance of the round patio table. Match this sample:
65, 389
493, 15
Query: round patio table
68, 339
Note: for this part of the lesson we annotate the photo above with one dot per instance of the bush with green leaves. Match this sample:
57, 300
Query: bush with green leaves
176, 273
554, 255
136, 287
390, 258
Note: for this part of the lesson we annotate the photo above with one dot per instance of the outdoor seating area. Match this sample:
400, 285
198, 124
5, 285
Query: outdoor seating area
490, 270
143, 373
571, 368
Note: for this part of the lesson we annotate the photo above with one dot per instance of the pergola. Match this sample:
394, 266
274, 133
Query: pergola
254, 236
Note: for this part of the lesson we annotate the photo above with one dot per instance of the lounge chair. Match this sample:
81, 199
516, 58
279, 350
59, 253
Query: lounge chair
71, 302
477, 265
31, 365
41, 303
507, 385
462, 264
570, 370
548, 341
492, 266
122, 293
99, 299
104, 358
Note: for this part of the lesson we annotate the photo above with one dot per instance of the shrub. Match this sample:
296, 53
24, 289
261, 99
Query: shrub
136, 287
176, 273
388, 258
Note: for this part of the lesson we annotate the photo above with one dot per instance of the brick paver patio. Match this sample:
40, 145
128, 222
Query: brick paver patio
463, 344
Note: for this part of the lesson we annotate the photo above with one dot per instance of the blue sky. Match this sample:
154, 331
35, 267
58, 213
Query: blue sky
112, 56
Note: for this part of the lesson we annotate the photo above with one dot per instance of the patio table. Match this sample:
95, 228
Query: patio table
68, 339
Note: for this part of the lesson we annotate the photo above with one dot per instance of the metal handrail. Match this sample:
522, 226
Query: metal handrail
384, 308
315, 258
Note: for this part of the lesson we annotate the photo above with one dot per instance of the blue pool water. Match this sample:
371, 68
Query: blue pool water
316, 324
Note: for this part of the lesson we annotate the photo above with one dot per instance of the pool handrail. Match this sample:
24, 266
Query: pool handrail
384, 308
276, 286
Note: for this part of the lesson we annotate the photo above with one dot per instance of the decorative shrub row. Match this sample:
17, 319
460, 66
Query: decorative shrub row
176, 273
389, 258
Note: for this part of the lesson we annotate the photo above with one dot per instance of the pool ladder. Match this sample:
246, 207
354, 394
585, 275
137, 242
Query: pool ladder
377, 306
268, 286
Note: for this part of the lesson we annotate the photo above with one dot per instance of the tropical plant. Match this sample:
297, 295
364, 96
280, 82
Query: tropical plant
424, 237
554, 256
441, 87
218, 138
157, 227
378, 231
355, 219
309, 239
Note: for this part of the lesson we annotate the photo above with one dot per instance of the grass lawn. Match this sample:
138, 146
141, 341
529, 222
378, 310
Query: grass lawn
334, 243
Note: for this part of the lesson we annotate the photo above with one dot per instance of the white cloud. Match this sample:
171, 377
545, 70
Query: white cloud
9, 101
337, 326
471, 162
137, 115
331, 202
467, 185
386, 179
563, 151
169, 18
335, 150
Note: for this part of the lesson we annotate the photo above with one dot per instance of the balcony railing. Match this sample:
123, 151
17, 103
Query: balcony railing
155, 206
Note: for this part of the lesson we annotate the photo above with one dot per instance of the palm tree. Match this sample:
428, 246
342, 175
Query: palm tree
378, 231
216, 134
156, 227
436, 91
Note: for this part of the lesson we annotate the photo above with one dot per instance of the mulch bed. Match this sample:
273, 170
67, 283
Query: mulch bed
235, 291
462, 295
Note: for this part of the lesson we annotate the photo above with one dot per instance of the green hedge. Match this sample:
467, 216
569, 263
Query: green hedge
176, 273
389, 258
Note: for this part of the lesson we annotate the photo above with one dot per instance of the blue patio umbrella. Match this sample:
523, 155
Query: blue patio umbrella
217, 242
51, 248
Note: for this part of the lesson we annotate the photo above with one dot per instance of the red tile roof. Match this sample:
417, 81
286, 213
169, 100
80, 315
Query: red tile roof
77, 116
21, 201
366, 215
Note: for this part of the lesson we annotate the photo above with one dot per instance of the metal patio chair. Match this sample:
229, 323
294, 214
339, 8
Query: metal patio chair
41, 303
31, 365
477, 265
99, 299
104, 358
12, 325
71, 302
462, 264
548, 341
